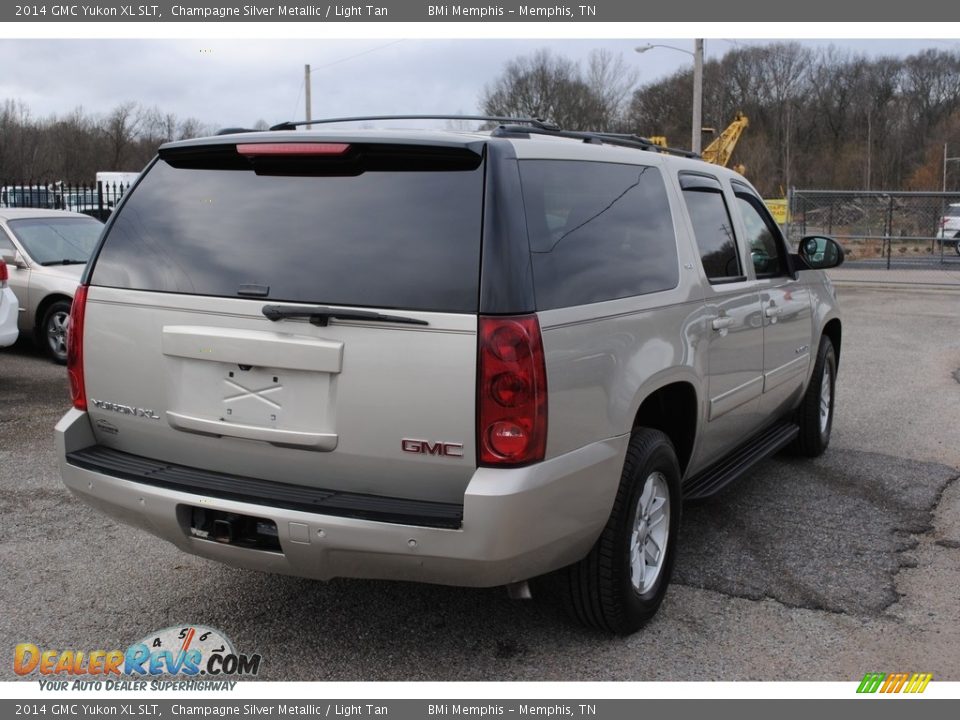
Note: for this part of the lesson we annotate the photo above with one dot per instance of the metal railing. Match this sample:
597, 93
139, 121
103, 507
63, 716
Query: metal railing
892, 229
95, 199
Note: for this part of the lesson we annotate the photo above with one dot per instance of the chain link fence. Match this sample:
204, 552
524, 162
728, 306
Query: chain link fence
97, 199
886, 229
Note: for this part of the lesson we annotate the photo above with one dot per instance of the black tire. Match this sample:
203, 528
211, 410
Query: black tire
601, 590
956, 245
51, 333
815, 429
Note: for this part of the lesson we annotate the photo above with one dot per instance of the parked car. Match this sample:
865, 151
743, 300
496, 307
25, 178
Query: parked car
950, 225
9, 309
45, 252
463, 358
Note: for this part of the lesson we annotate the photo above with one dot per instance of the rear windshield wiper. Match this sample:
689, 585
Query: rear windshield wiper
65, 261
321, 314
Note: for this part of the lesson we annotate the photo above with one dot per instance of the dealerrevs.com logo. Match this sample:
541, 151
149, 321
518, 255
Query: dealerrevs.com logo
189, 651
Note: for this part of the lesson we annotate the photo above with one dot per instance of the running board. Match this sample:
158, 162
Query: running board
720, 474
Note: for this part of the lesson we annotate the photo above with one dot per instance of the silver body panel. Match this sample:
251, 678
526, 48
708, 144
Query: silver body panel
327, 407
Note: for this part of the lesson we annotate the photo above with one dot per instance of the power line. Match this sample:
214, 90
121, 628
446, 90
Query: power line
356, 55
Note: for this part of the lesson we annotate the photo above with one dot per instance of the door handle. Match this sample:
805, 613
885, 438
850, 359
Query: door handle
773, 311
722, 322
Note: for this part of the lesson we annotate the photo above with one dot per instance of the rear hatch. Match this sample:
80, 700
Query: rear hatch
301, 311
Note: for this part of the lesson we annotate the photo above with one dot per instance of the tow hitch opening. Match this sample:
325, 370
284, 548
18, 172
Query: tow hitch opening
231, 528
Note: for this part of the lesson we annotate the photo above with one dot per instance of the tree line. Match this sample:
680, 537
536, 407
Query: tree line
75, 146
819, 118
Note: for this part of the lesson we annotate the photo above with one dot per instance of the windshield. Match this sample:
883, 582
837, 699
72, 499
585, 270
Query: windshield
54, 240
953, 211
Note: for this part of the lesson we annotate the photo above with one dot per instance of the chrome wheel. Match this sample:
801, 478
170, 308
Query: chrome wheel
650, 534
57, 333
826, 399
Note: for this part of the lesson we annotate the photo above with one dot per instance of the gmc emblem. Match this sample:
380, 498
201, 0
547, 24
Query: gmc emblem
425, 447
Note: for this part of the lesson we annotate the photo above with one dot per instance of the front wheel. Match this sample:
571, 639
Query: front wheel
53, 331
815, 414
619, 586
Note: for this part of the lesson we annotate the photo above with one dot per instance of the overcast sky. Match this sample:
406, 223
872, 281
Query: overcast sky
237, 82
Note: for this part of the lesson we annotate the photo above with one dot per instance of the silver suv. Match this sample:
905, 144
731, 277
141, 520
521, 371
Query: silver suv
461, 358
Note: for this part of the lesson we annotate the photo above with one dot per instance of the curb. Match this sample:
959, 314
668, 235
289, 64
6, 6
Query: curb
897, 286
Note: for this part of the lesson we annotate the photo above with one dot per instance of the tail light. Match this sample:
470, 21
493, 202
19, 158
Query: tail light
78, 390
511, 392
3, 274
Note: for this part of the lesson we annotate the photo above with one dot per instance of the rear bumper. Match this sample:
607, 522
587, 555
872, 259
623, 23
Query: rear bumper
517, 523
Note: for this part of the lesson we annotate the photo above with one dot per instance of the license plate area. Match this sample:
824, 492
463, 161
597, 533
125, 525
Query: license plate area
253, 396
227, 528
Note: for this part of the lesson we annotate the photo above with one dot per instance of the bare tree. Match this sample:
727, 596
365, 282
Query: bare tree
556, 89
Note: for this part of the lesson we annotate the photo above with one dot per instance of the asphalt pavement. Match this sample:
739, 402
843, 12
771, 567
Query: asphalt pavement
802, 570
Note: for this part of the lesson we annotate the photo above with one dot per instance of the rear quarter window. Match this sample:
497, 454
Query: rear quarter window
598, 231
404, 235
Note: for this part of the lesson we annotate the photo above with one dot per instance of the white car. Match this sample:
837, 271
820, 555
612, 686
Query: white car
9, 309
950, 225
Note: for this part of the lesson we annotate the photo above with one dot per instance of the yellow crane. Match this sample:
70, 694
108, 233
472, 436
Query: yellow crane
719, 151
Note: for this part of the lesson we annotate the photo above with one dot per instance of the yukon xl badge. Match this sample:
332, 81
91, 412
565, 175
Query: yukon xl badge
125, 409
425, 447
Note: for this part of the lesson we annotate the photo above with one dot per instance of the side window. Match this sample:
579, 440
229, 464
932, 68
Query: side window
763, 237
712, 228
598, 231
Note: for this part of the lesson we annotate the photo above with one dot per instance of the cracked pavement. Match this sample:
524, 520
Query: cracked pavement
801, 570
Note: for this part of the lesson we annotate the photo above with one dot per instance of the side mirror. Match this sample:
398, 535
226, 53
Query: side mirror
13, 258
818, 252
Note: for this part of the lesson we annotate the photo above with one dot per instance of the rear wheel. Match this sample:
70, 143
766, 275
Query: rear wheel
619, 586
53, 331
815, 414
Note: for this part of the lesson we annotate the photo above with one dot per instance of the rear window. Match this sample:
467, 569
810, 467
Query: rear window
405, 234
598, 231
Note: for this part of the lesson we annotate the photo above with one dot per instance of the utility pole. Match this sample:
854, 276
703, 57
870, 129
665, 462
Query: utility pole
697, 137
697, 120
306, 85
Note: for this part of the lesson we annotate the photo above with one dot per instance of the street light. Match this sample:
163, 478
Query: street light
697, 55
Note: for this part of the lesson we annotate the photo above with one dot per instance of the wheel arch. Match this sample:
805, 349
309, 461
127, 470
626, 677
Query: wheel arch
673, 409
44, 305
833, 330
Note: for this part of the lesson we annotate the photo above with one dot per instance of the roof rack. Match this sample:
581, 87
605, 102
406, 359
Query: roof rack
532, 122
620, 139
512, 126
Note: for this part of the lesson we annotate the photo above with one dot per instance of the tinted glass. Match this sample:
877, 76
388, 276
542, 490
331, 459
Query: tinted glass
714, 233
598, 231
391, 239
764, 248
50, 241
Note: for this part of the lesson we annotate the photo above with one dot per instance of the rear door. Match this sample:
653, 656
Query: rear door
300, 315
